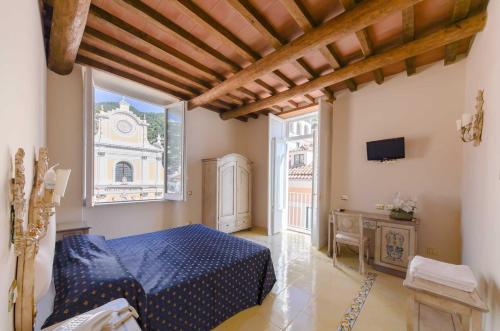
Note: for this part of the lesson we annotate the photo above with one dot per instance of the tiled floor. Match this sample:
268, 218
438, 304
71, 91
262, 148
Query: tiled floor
311, 294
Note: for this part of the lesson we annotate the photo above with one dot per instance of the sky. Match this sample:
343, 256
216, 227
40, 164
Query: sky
101, 95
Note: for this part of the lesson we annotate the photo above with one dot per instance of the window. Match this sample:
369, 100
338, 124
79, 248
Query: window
138, 149
123, 173
298, 160
175, 158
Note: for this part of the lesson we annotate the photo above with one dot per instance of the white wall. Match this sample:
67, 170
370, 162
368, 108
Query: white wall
481, 168
252, 141
422, 108
207, 136
22, 117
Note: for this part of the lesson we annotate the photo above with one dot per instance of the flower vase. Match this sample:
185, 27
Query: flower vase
399, 214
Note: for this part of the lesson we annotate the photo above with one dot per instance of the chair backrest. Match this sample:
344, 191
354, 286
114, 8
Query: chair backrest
348, 223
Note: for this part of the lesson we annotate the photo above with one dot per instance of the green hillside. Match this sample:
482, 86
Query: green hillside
156, 121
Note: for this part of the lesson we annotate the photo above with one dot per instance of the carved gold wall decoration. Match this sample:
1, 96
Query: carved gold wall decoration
470, 126
26, 237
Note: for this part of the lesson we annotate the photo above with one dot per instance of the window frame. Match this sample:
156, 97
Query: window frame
94, 78
299, 160
182, 196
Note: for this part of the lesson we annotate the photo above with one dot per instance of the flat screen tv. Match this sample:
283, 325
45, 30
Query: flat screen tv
385, 150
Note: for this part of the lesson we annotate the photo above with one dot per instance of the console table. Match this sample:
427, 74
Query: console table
395, 241
67, 229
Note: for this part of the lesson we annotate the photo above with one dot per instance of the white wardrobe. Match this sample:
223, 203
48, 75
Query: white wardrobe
227, 193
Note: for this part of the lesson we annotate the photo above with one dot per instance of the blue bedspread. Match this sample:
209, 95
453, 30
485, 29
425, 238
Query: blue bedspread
87, 275
192, 277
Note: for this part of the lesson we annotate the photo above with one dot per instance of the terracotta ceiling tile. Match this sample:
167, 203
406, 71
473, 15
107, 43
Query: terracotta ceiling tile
430, 12
323, 10
387, 30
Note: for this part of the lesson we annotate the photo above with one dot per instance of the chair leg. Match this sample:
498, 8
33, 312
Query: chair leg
368, 254
334, 254
361, 260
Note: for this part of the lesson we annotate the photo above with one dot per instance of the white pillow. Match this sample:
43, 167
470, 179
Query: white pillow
44, 260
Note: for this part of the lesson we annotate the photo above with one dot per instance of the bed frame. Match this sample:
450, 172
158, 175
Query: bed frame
27, 236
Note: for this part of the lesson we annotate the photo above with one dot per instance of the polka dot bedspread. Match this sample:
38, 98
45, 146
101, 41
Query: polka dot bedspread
186, 278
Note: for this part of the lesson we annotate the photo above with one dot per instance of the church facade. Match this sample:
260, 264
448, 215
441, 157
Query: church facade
127, 167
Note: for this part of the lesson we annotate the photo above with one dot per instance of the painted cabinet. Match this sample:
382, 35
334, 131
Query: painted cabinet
394, 244
227, 191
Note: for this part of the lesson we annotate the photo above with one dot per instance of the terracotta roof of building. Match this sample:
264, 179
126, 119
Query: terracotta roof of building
302, 172
307, 147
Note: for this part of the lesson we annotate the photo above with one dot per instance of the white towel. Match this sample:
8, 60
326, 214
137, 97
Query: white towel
452, 275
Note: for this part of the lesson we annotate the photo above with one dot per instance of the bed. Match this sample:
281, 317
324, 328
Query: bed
186, 278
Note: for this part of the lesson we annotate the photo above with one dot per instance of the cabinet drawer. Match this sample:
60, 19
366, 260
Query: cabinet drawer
243, 222
226, 226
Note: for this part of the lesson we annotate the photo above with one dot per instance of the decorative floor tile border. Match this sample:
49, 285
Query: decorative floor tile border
352, 314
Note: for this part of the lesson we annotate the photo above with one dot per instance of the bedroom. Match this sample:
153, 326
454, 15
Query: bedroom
126, 48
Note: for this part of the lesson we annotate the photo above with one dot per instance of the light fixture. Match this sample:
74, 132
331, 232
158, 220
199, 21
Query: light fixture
470, 126
56, 180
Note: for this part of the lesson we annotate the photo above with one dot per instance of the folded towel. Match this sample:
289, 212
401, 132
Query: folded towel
452, 275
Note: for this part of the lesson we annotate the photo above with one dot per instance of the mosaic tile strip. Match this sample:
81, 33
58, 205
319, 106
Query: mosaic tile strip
352, 314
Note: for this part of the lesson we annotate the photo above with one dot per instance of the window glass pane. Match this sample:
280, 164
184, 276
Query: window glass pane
174, 188
123, 172
129, 136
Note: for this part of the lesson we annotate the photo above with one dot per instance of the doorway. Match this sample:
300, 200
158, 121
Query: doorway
293, 159
300, 182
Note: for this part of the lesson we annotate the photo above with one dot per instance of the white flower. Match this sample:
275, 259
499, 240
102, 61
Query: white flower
408, 205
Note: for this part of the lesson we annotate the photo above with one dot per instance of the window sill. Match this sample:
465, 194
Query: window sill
118, 203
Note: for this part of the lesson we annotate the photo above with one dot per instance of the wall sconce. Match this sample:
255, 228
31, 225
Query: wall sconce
57, 180
471, 125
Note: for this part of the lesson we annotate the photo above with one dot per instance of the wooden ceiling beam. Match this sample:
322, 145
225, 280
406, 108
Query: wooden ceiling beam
177, 55
252, 16
179, 75
254, 116
227, 105
183, 35
84, 60
271, 90
250, 93
460, 30
222, 105
196, 43
195, 13
69, 18
309, 98
460, 11
299, 110
173, 70
364, 42
409, 35
299, 13
233, 100
102, 66
224, 35
378, 76
217, 110
124, 62
363, 15
306, 23
284, 79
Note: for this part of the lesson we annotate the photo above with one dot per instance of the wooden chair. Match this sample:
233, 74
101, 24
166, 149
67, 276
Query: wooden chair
348, 230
